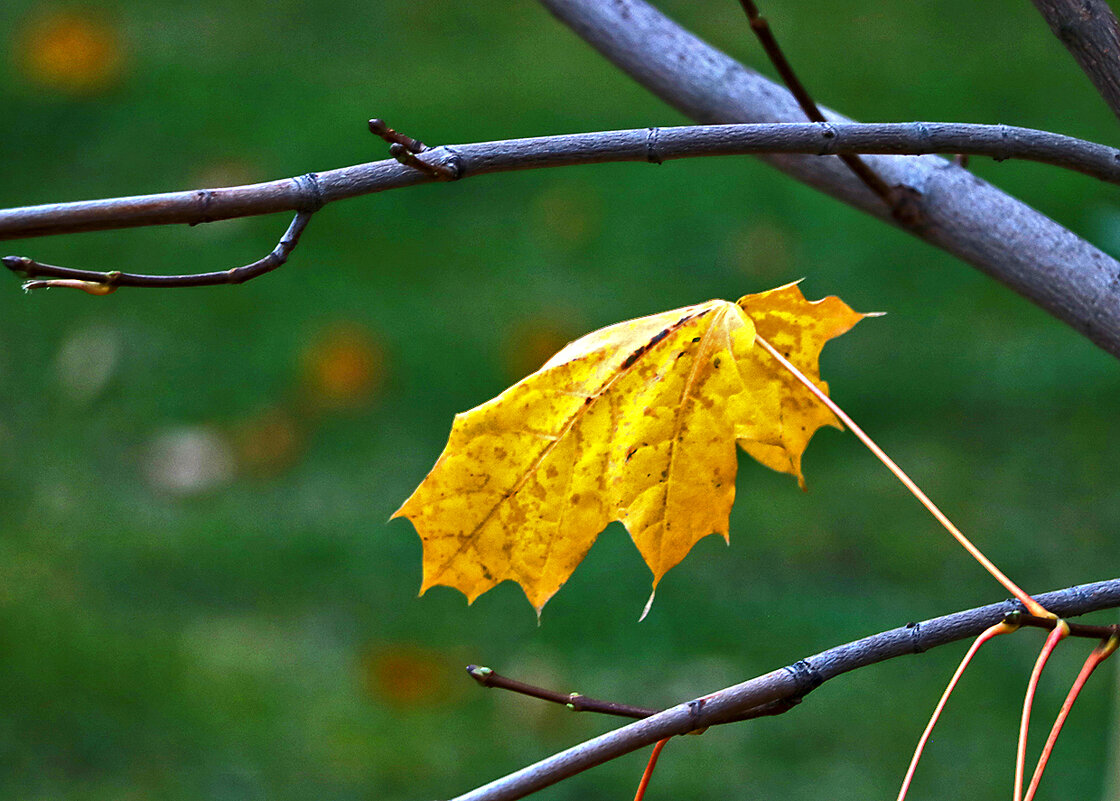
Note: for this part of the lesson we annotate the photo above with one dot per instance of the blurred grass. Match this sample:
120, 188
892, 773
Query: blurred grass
256, 634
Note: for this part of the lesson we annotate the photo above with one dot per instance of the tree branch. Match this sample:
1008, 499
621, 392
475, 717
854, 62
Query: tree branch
761, 28
577, 702
67, 276
793, 681
969, 218
654, 145
641, 144
1091, 33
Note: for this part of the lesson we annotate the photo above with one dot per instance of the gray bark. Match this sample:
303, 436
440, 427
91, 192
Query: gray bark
964, 215
1091, 33
794, 680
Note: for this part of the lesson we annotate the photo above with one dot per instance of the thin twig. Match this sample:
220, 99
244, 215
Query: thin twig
1075, 629
91, 280
761, 28
378, 127
793, 680
409, 159
1091, 33
577, 702
405, 150
573, 701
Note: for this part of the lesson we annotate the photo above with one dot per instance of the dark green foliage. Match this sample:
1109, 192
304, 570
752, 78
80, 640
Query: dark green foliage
242, 642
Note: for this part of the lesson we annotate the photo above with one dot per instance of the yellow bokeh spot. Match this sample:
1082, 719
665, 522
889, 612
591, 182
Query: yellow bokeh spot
343, 366
70, 52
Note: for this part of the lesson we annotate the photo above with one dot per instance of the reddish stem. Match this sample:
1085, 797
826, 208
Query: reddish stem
638, 796
1098, 655
1060, 632
999, 628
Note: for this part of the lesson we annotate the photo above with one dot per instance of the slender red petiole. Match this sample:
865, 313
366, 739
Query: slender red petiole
1032, 606
1060, 632
999, 628
638, 796
1098, 655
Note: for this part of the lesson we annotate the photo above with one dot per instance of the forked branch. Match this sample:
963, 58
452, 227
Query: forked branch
652, 145
761, 28
793, 681
423, 165
100, 283
965, 216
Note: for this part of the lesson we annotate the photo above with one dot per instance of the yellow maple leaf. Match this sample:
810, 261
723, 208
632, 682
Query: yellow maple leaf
636, 422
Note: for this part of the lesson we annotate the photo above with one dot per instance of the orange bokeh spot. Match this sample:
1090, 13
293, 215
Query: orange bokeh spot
343, 366
70, 52
268, 443
405, 675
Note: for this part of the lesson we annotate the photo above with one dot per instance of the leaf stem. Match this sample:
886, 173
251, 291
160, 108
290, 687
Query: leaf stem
648, 773
999, 628
1031, 605
1060, 632
1098, 655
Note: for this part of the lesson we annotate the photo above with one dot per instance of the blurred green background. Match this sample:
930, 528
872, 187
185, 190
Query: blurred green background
200, 596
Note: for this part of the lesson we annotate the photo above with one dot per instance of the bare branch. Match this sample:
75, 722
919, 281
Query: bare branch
859, 168
577, 702
793, 681
969, 218
1091, 33
653, 145
641, 145
91, 280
